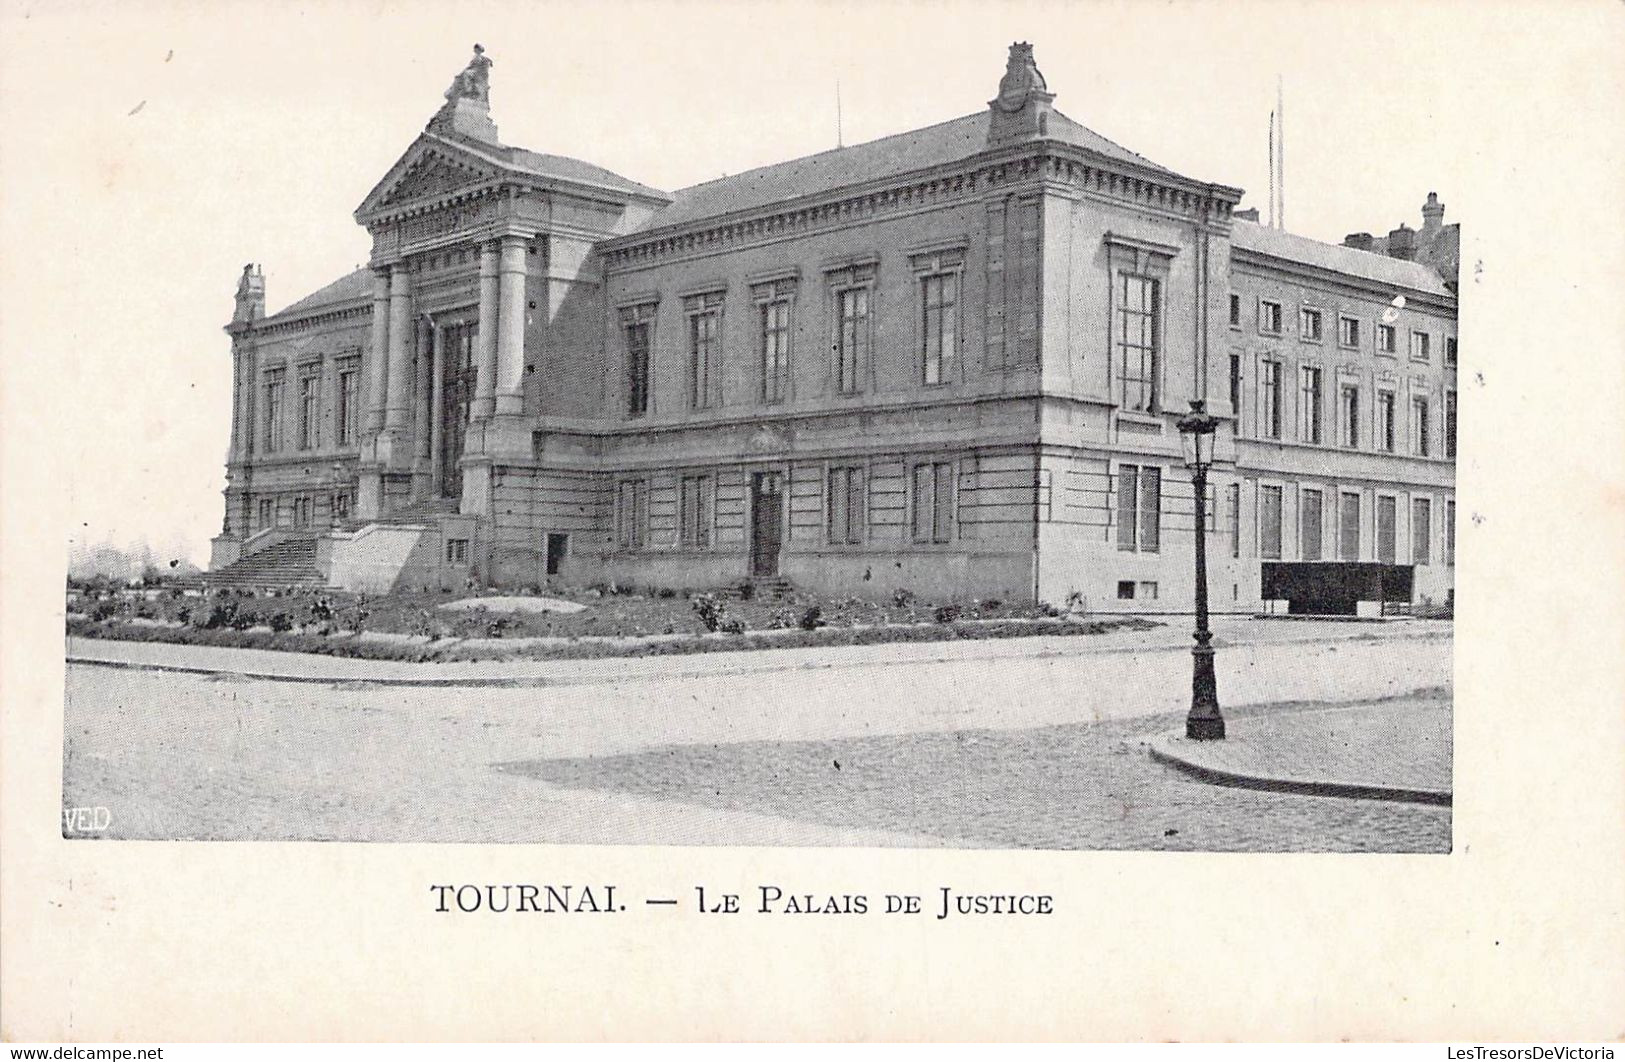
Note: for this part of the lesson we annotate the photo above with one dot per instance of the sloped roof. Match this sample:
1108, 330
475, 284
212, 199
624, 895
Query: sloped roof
562, 167
1251, 236
917, 149
348, 288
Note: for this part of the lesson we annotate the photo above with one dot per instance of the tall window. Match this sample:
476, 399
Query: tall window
310, 395
1387, 514
1309, 324
275, 381
933, 502
1450, 533
939, 319
1235, 391
1269, 317
1419, 425
696, 507
1421, 531
638, 323
1138, 340
851, 338
1269, 399
303, 510
1233, 509
846, 506
267, 513
1450, 350
1309, 520
775, 350
1385, 339
632, 514
1349, 411
704, 327
1385, 421
1309, 404
345, 415
1348, 332
1450, 424
1235, 310
1269, 522
1139, 508
1420, 346
1348, 526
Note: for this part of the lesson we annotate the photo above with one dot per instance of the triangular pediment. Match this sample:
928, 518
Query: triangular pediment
432, 167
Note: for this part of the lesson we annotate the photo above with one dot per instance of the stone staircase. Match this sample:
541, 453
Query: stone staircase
423, 511
287, 565
763, 588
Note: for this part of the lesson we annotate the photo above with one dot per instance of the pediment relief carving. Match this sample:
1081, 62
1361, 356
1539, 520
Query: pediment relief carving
432, 176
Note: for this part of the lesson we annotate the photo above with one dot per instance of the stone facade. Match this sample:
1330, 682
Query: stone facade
949, 361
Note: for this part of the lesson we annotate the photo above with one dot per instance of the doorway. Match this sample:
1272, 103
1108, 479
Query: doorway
558, 545
766, 523
457, 383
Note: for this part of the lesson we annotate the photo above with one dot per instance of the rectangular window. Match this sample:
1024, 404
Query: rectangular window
1385, 339
274, 384
303, 510
1450, 533
697, 503
1269, 522
1139, 341
632, 515
1348, 332
851, 338
1139, 508
1125, 589
1349, 411
1450, 350
933, 502
1420, 349
1235, 310
456, 551
348, 409
1235, 391
1385, 421
1269, 317
267, 513
1421, 531
1387, 514
1269, 399
1310, 513
1348, 527
1419, 426
775, 350
1309, 324
1450, 424
340, 503
702, 350
847, 506
637, 368
939, 299
309, 409
1309, 404
1233, 510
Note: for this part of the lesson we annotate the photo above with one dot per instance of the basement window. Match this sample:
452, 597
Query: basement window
1125, 590
456, 551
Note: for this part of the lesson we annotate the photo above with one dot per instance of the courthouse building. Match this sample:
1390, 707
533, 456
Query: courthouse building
949, 360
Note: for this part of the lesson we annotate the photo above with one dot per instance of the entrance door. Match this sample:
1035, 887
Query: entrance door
457, 383
766, 513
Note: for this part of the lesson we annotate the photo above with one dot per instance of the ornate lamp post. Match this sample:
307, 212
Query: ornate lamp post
1204, 722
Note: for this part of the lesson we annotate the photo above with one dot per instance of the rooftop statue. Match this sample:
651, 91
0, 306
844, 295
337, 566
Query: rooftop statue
474, 83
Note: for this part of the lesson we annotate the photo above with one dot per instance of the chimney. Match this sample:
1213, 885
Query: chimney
1432, 214
250, 296
1360, 241
1250, 214
1402, 243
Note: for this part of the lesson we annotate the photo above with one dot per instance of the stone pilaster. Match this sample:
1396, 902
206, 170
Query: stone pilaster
437, 413
484, 401
510, 375
396, 407
377, 360
421, 414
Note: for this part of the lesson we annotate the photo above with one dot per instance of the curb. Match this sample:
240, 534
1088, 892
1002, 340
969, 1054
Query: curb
1162, 750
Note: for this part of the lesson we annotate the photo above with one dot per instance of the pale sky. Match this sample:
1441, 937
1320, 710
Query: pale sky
152, 149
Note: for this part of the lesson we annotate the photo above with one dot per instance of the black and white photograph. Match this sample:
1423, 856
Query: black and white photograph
996, 436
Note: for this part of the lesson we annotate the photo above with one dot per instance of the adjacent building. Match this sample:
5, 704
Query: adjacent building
949, 360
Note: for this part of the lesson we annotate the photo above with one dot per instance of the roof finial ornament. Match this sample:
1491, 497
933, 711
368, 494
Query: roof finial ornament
1021, 78
474, 83
1021, 109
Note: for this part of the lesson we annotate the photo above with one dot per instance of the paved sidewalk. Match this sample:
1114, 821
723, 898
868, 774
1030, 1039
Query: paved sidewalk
1390, 750
314, 667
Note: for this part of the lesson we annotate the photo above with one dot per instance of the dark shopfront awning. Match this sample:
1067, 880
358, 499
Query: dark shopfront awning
1333, 588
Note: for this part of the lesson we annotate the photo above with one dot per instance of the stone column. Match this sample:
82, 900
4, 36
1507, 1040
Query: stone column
396, 408
510, 375
485, 355
377, 376
421, 417
437, 413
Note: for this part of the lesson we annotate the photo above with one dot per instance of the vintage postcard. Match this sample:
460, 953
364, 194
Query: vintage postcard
626, 478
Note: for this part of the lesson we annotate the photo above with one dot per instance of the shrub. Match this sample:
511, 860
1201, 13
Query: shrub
811, 619
244, 619
321, 610
666, 592
102, 610
497, 626
946, 613
732, 626
902, 597
747, 591
280, 621
711, 611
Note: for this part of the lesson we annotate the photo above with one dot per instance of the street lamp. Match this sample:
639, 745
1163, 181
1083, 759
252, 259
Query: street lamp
1204, 722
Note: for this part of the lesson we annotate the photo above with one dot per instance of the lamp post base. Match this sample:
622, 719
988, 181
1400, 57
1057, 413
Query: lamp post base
1205, 729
